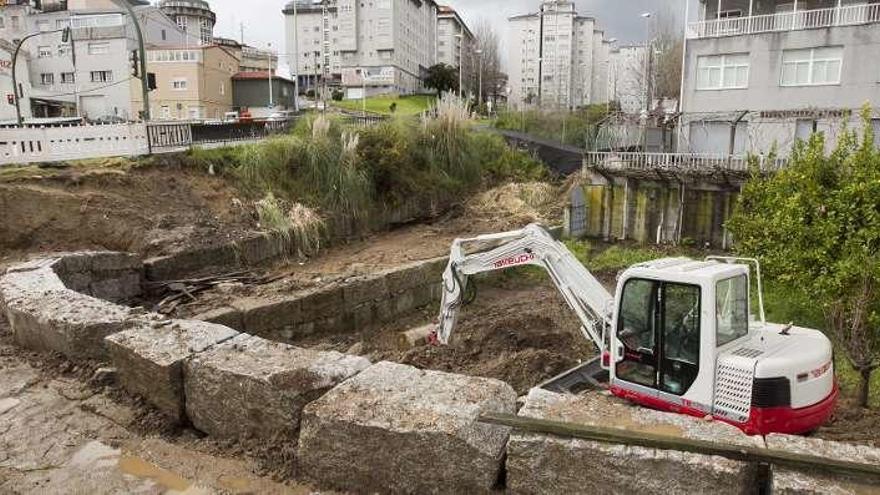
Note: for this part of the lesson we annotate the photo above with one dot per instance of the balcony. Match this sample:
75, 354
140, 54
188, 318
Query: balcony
850, 15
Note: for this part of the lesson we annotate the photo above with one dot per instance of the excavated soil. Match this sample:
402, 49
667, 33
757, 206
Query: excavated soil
150, 209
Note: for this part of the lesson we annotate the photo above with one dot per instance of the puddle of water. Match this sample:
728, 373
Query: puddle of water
139, 468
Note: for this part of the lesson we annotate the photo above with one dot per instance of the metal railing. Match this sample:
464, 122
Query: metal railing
851, 15
678, 162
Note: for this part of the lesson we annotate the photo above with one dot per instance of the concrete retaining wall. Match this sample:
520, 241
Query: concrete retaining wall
354, 304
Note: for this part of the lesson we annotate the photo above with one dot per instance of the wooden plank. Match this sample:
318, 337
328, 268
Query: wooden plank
742, 453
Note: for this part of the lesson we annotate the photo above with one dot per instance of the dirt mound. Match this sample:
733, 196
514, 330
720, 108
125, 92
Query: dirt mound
522, 336
150, 210
517, 204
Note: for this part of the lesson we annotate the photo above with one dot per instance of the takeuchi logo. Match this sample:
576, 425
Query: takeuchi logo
519, 259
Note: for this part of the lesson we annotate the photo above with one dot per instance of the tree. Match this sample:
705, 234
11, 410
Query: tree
489, 59
816, 226
442, 78
668, 46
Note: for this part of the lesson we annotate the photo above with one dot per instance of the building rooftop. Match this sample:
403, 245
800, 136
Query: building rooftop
257, 76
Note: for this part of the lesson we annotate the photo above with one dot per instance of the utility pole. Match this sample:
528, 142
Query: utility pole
460, 38
241, 28
142, 52
479, 53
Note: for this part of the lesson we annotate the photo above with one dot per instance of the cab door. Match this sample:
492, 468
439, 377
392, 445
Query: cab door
658, 337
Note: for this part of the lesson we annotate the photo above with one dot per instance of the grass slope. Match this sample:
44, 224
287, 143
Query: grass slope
406, 105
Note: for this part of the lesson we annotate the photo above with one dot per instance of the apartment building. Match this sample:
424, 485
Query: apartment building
385, 46
7, 104
557, 58
455, 41
760, 74
89, 74
628, 84
192, 83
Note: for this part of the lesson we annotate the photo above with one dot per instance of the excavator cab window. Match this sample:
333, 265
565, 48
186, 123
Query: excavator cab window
659, 328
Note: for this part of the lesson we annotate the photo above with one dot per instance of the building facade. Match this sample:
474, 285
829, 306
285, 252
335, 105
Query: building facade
759, 75
251, 92
194, 17
455, 41
557, 58
7, 105
385, 46
251, 59
192, 83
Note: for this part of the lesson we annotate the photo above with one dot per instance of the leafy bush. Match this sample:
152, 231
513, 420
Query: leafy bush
816, 227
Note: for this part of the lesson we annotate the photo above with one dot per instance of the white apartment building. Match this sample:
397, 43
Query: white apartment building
557, 58
384, 46
455, 41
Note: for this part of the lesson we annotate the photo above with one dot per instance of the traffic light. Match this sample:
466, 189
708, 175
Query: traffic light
65, 35
135, 64
10, 98
151, 81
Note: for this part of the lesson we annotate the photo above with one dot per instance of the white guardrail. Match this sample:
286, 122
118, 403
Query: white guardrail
74, 142
850, 15
677, 162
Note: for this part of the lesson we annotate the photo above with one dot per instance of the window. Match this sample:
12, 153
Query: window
178, 84
47, 79
804, 128
42, 26
166, 112
62, 23
14, 20
63, 50
67, 78
44, 52
659, 328
723, 71
181, 22
875, 124
731, 310
2, 22
812, 66
99, 48
101, 76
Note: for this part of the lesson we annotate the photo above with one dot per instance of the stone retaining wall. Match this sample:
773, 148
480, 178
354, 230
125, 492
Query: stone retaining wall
544, 464
387, 427
341, 307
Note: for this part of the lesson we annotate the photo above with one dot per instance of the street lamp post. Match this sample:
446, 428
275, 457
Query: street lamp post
479, 53
460, 38
67, 33
295, 59
649, 52
271, 96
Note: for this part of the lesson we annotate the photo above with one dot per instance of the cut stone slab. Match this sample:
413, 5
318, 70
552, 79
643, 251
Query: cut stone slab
67, 322
150, 358
21, 282
397, 429
544, 464
249, 387
794, 482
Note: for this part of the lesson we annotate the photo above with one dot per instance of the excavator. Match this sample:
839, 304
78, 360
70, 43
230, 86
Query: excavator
678, 335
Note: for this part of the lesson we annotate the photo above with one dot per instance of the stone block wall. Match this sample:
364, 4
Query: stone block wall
384, 427
544, 464
337, 308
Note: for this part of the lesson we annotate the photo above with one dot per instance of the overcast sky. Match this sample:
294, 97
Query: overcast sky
264, 23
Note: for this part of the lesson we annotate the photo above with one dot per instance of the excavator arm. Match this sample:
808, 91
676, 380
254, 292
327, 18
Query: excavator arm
531, 245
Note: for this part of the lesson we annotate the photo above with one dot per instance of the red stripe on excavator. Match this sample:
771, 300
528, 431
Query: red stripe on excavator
762, 421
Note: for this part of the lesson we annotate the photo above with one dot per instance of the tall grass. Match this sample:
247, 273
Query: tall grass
297, 227
350, 174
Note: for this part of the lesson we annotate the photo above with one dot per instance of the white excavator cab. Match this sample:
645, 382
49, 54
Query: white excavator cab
677, 336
